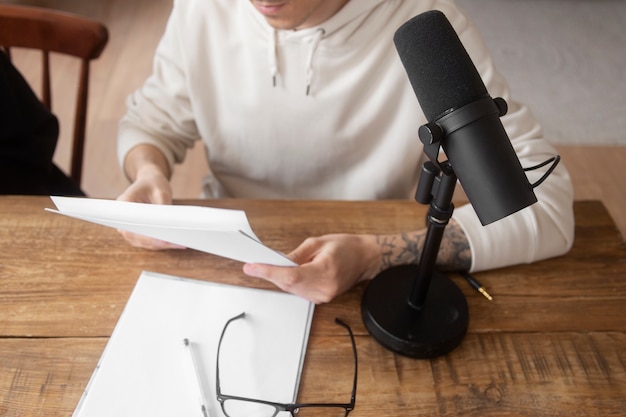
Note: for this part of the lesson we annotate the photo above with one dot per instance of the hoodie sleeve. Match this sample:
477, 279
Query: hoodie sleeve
543, 230
159, 113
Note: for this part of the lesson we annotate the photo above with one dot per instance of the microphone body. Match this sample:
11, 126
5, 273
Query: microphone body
462, 118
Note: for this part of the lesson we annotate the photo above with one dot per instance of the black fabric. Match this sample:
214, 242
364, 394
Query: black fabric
28, 137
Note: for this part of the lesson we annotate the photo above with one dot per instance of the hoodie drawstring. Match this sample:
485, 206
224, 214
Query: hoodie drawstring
309, 62
273, 57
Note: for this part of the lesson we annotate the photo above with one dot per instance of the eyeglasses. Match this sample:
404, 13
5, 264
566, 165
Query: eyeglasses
234, 406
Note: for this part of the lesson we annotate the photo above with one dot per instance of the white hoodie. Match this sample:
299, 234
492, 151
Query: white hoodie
325, 113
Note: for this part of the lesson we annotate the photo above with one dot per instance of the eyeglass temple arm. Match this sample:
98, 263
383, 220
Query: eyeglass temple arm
356, 367
219, 345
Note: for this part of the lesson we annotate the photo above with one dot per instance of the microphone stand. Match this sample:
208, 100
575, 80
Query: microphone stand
417, 311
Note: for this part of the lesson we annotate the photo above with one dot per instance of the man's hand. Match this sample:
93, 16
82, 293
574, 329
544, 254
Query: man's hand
148, 170
329, 266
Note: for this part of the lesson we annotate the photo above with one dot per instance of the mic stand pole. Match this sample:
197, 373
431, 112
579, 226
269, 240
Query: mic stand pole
417, 311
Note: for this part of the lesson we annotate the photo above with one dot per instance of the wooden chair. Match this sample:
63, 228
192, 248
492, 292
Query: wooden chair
54, 31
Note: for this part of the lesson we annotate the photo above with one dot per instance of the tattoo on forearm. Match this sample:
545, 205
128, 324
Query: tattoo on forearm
454, 253
405, 248
400, 249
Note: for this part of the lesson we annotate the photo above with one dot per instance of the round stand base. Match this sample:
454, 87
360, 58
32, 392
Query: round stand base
435, 330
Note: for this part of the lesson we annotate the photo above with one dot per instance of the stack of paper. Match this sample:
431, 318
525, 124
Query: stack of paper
145, 370
221, 232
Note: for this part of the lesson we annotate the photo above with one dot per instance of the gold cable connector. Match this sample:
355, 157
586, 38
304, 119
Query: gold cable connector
476, 285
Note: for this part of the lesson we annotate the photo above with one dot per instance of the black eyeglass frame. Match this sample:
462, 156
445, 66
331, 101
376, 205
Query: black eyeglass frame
278, 407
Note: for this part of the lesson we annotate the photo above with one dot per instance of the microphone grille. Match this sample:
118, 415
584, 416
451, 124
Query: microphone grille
439, 68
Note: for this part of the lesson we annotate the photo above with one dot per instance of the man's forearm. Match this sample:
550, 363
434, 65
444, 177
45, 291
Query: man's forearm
406, 248
145, 157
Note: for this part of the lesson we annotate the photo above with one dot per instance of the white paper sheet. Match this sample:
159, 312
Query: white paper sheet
145, 370
217, 231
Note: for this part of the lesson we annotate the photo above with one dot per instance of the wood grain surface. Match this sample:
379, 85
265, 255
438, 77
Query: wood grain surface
551, 343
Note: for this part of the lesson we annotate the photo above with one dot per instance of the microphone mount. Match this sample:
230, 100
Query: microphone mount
432, 134
415, 310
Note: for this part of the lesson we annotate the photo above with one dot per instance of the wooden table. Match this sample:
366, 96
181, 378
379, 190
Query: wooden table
551, 343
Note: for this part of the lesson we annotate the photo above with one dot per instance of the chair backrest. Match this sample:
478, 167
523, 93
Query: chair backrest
54, 31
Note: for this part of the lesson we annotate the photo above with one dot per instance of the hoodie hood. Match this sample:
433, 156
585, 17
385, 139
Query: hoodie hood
336, 32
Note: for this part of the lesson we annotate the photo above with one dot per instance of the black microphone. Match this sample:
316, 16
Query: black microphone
416, 310
462, 118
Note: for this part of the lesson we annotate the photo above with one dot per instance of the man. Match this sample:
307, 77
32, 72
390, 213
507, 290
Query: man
308, 99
